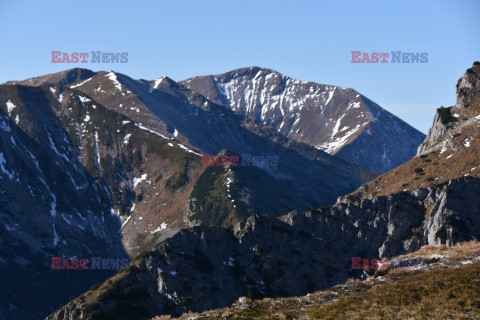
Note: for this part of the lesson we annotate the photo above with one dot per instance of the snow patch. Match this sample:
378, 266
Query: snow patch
83, 99
54, 148
2, 167
81, 83
330, 95
125, 222
189, 150
157, 82
55, 236
136, 181
112, 76
162, 226
10, 106
151, 131
127, 137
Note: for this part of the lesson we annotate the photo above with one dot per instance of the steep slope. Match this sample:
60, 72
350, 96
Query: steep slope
450, 149
39, 173
78, 180
337, 120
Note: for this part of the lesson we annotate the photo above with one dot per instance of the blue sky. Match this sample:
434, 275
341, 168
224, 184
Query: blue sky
307, 40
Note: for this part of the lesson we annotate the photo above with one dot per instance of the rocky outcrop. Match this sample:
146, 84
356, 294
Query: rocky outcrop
468, 86
439, 129
446, 119
205, 267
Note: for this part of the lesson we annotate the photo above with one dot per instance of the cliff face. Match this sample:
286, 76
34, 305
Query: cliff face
447, 121
450, 150
438, 129
410, 286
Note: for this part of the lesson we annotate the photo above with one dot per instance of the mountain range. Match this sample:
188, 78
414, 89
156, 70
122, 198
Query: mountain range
100, 164
203, 268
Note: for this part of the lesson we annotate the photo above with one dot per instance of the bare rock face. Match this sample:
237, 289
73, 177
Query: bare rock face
445, 121
468, 86
439, 129
387, 226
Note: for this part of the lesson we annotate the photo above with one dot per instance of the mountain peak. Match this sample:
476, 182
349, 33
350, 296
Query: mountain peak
468, 85
252, 72
333, 119
62, 78
455, 119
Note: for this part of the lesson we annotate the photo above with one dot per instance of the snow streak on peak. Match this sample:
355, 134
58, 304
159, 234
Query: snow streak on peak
157, 82
80, 84
113, 76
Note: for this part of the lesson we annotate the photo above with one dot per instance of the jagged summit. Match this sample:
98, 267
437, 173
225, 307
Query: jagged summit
454, 119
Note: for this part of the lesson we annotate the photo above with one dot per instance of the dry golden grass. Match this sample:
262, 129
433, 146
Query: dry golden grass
463, 250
